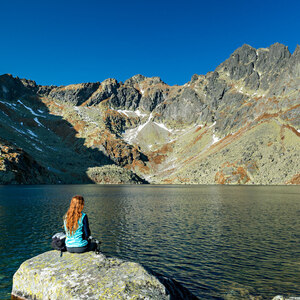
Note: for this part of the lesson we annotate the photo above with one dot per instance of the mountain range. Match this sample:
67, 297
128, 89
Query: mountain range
236, 125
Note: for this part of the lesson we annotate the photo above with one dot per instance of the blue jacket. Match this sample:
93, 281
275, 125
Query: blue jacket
79, 238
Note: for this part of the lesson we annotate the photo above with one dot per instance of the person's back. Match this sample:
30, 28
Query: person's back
77, 227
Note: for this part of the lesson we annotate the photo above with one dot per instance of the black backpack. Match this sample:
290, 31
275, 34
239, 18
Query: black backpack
59, 242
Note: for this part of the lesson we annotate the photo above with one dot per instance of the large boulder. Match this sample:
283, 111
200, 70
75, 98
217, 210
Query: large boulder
90, 276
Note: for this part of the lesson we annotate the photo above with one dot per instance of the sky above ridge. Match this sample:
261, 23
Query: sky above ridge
65, 42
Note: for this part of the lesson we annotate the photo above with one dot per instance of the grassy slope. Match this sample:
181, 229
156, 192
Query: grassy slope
267, 153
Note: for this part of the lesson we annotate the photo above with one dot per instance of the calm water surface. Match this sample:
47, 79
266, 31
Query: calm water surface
209, 238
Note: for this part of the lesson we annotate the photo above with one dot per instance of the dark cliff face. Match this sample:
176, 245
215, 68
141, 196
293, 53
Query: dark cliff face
75, 94
165, 133
18, 167
13, 87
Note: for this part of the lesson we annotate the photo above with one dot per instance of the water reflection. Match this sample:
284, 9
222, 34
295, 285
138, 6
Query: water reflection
207, 237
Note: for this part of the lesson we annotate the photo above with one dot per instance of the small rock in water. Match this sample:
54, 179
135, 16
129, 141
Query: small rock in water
239, 292
280, 297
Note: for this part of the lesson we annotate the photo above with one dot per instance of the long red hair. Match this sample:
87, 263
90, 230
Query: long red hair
74, 213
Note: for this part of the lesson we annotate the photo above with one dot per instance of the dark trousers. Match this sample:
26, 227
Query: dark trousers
91, 246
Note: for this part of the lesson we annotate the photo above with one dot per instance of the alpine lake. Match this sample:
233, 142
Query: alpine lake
217, 241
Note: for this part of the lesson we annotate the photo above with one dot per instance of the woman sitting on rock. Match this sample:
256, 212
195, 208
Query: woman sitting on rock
77, 229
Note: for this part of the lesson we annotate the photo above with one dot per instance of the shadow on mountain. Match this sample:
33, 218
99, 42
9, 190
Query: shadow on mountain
26, 122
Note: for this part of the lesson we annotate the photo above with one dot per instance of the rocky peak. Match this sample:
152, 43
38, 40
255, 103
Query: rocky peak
244, 54
297, 52
257, 68
75, 94
155, 80
44, 90
194, 78
294, 67
135, 79
106, 89
240, 63
12, 87
272, 59
278, 52
126, 97
110, 82
29, 83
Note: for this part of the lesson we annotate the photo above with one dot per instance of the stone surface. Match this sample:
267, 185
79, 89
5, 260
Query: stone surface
75, 94
125, 98
112, 174
90, 276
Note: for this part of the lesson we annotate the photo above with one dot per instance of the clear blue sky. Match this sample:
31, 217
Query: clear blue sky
64, 42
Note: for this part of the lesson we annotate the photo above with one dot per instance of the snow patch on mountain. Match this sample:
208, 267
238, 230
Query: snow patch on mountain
215, 139
30, 109
36, 147
140, 114
163, 126
131, 113
131, 134
18, 130
38, 122
11, 105
32, 133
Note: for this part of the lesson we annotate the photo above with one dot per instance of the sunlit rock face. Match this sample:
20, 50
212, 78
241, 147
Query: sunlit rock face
90, 276
242, 117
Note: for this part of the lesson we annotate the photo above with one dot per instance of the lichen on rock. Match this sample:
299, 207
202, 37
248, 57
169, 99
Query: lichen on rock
86, 276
